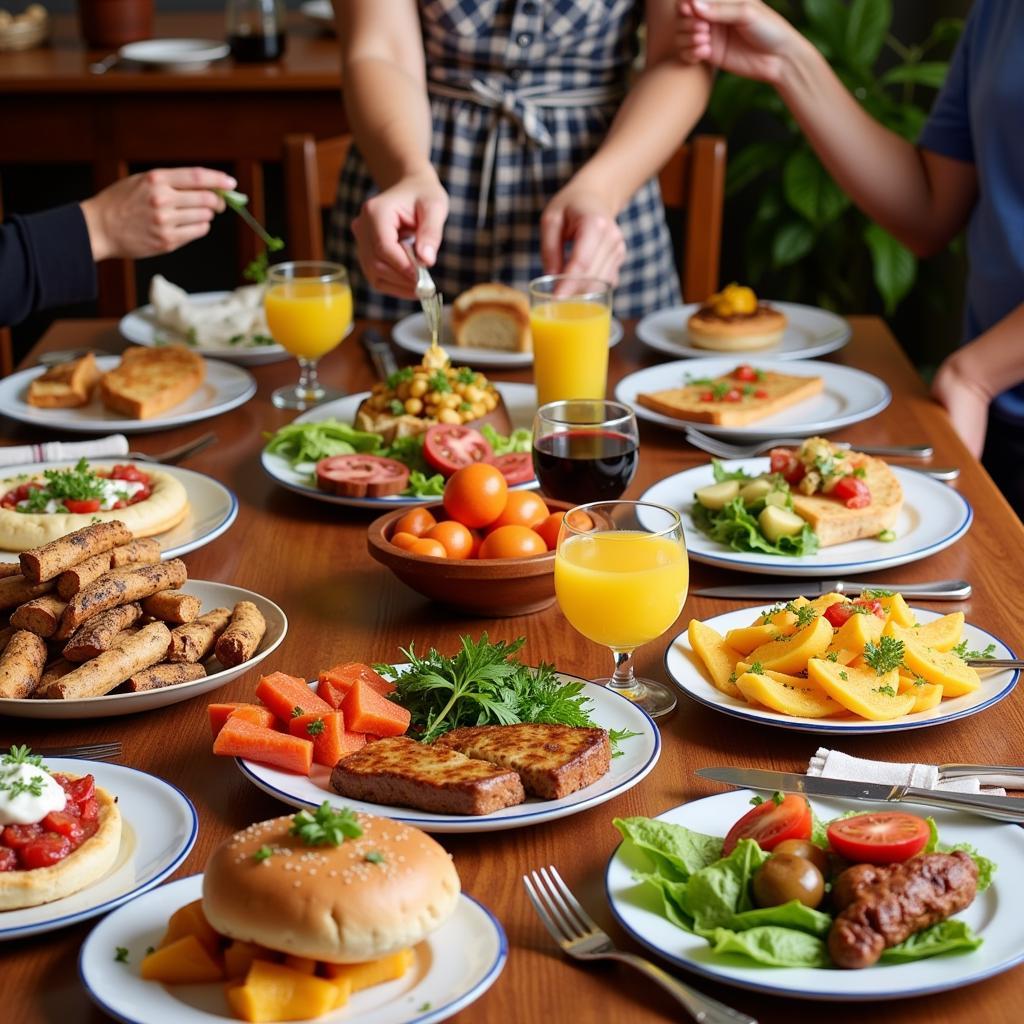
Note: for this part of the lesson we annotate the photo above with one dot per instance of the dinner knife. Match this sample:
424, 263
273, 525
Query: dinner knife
380, 353
939, 590
999, 807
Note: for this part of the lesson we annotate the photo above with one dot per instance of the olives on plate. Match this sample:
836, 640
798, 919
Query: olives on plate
806, 849
784, 877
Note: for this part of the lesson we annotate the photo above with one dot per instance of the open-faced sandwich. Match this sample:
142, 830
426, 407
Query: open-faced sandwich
59, 833
733, 320
67, 385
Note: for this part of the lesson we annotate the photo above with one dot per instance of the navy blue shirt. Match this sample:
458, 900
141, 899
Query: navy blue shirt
45, 260
978, 118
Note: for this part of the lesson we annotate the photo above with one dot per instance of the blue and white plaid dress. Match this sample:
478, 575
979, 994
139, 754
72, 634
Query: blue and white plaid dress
522, 93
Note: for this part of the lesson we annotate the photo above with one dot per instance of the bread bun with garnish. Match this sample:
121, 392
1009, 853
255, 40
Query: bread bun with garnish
733, 320
492, 316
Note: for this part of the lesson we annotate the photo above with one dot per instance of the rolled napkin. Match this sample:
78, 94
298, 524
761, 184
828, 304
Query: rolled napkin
60, 451
834, 764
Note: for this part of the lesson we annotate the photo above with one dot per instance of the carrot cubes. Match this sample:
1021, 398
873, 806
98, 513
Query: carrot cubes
366, 710
239, 738
342, 677
283, 694
330, 741
255, 713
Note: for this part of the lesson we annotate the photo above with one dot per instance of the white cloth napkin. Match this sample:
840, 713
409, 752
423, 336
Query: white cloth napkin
834, 764
58, 451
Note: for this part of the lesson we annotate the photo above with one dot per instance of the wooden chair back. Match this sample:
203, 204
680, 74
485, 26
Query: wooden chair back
6, 344
311, 171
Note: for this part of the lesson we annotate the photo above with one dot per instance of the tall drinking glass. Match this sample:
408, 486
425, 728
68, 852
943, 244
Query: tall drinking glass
309, 309
585, 449
621, 577
571, 322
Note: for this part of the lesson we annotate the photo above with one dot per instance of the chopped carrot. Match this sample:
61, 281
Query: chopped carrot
255, 713
368, 711
283, 694
219, 715
350, 743
327, 691
327, 733
341, 677
239, 738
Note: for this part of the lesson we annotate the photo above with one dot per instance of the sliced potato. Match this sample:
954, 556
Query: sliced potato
746, 638
791, 653
801, 698
898, 610
777, 523
717, 496
941, 634
947, 669
856, 632
756, 490
927, 695
861, 690
718, 657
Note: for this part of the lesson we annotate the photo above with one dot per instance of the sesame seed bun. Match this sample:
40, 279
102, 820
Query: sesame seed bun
330, 902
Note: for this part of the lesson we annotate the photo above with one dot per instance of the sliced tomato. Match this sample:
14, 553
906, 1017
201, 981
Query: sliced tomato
706, 396
140, 496
853, 492
785, 461
48, 849
448, 447
17, 836
770, 823
361, 476
745, 372
734, 395
129, 472
90, 811
515, 467
885, 837
837, 614
8, 859
80, 505
64, 824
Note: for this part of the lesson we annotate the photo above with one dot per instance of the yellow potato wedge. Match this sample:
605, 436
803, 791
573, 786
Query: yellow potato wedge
897, 610
375, 972
819, 604
941, 634
927, 695
273, 992
806, 700
783, 620
861, 690
185, 961
791, 654
718, 657
746, 638
945, 668
856, 632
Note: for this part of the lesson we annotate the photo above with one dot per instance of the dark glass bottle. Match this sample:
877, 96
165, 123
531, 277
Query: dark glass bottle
255, 30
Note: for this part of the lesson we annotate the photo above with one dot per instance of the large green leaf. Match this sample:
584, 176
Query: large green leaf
751, 162
810, 190
926, 72
866, 29
828, 19
792, 242
894, 266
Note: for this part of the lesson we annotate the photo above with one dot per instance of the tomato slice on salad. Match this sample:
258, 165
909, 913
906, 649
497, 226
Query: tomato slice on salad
853, 492
81, 505
885, 837
838, 614
448, 447
785, 462
770, 823
515, 467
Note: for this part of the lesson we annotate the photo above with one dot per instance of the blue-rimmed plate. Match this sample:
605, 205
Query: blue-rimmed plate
933, 517
455, 965
520, 400
994, 915
687, 671
639, 754
159, 828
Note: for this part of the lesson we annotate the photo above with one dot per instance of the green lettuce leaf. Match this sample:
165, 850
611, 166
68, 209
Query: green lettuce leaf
986, 867
677, 852
738, 529
772, 946
311, 442
722, 474
949, 936
520, 440
672, 895
715, 895
787, 915
423, 486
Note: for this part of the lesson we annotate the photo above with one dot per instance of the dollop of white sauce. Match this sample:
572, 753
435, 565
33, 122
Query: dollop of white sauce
26, 808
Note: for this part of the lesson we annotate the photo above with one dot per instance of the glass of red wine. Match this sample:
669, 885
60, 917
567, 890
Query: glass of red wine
585, 449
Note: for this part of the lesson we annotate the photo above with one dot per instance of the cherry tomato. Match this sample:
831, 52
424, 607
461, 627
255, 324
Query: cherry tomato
431, 548
522, 508
64, 824
516, 467
129, 472
456, 539
403, 540
90, 812
707, 396
416, 521
745, 372
880, 838
48, 849
140, 496
853, 491
448, 447
8, 859
785, 462
17, 836
770, 823
837, 614
733, 395
512, 542
80, 789
475, 495
82, 505
550, 528
760, 393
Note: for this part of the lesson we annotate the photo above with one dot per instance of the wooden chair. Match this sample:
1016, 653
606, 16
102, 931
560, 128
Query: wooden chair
693, 180
6, 344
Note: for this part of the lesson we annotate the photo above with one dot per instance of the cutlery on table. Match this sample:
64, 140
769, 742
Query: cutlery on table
999, 807
174, 455
101, 67
380, 353
580, 937
726, 450
65, 355
938, 590
426, 290
995, 662
84, 752
961, 771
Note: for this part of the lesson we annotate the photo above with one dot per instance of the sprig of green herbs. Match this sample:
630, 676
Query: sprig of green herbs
885, 656
326, 826
963, 652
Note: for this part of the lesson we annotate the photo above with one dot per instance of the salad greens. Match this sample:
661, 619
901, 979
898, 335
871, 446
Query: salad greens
256, 271
709, 895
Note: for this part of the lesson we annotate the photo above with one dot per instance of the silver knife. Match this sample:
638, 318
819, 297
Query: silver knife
999, 807
380, 353
939, 590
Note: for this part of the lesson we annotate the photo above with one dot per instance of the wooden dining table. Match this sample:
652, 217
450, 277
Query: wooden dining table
311, 558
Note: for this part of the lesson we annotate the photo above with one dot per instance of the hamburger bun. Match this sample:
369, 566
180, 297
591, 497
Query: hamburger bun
329, 902
744, 333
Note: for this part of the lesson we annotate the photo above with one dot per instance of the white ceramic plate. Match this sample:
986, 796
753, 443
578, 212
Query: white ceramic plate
810, 332
849, 396
320, 12
212, 507
213, 595
933, 517
455, 965
994, 915
159, 828
412, 334
190, 53
225, 387
639, 756
687, 671
520, 400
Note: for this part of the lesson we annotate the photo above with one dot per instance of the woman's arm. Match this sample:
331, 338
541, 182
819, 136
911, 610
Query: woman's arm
654, 119
386, 99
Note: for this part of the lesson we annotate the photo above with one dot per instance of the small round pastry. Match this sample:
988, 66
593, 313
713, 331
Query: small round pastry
365, 898
733, 320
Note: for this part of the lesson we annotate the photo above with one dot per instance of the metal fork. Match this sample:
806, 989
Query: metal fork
174, 455
579, 936
725, 450
84, 752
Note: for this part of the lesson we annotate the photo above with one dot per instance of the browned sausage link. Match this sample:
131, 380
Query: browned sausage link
239, 641
21, 665
41, 615
172, 606
15, 590
904, 899
164, 674
194, 641
97, 635
853, 883
9, 569
5, 635
50, 560
72, 580
144, 550
53, 672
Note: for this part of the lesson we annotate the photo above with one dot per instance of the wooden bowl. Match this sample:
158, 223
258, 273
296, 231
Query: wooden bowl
488, 587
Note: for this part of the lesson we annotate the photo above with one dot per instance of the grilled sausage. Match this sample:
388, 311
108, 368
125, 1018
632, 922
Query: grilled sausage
164, 674
15, 590
50, 560
194, 641
239, 641
98, 634
21, 665
172, 606
142, 551
41, 615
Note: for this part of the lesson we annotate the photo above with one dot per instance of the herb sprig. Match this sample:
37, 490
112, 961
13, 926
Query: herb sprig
326, 826
885, 656
963, 652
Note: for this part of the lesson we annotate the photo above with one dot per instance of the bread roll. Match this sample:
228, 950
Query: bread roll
492, 316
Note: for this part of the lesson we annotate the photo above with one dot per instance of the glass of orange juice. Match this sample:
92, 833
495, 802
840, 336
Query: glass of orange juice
621, 578
309, 309
571, 321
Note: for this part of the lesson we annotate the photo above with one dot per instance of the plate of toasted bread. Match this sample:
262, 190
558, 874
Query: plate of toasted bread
753, 397
142, 389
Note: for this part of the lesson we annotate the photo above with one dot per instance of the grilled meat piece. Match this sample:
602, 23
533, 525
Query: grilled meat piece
885, 905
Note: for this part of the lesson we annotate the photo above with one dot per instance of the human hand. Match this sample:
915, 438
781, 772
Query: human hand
745, 37
965, 400
585, 221
417, 205
153, 212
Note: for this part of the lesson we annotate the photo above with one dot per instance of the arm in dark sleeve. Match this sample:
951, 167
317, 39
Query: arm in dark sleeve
45, 260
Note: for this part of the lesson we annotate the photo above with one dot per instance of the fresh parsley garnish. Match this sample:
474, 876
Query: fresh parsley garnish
79, 483
756, 669
832, 656
23, 755
963, 652
885, 656
121, 954
466, 375
873, 593
316, 727
396, 407
804, 613
34, 787
262, 854
777, 799
887, 690
297, 712
842, 675
860, 472
616, 736
400, 376
326, 826
375, 857
439, 382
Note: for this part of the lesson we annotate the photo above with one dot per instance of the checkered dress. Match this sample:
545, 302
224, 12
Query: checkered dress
522, 92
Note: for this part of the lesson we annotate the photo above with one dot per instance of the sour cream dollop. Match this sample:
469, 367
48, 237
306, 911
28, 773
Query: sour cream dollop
21, 806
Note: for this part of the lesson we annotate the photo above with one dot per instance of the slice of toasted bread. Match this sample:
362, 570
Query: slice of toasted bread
401, 771
66, 385
149, 381
492, 316
552, 760
780, 390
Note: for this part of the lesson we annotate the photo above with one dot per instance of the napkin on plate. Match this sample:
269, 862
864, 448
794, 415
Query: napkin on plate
58, 451
834, 764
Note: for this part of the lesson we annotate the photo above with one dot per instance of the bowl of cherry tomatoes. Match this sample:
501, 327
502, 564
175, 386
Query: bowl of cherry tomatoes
483, 549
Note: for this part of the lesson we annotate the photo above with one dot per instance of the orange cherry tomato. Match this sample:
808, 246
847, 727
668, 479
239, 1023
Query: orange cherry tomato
522, 508
455, 538
416, 521
475, 495
548, 530
512, 542
433, 548
403, 539
579, 520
